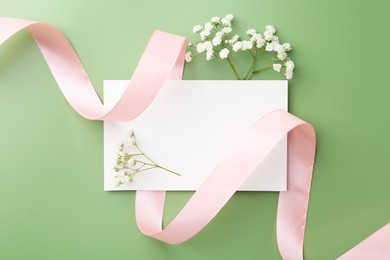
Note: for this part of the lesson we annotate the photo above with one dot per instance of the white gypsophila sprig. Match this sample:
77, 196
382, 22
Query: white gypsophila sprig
217, 44
131, 160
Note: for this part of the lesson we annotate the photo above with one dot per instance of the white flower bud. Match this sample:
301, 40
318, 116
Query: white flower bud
216, 20
189, 56
197, 28
209, 55
251, 32
287, 46
208, 46
282, 56
247, 45
204, 35
229, 17
227, 30
237, 46
223, 54
200, 47
277, 67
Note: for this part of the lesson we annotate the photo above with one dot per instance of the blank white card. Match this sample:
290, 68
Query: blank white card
189, 127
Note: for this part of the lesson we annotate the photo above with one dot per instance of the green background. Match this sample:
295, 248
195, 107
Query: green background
52, 203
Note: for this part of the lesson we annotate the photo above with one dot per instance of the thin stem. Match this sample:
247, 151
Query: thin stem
147, 157
233, 68
262, 68
249, 74
163, 168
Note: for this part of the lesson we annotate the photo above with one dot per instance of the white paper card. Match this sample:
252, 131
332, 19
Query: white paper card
189, 127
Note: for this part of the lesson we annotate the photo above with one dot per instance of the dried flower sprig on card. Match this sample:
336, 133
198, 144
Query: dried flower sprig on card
218, 44
131, 160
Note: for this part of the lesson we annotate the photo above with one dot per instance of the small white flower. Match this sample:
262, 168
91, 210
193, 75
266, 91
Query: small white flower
269, 47
118, 181
209, 55
204, 35
270, 29
233, 40
225, 22
200, 47
129, 142
208, 26
287, 46
197, 28
278, 48
120, 145
223, 54
277, 67
227, 30
189, 56
282, 56
289, 69
289, 75
255, 37
216, 20
272, 46
247, 45
229, 17
237, 46
289, 65
191, 44
217, 39
129, 133
260, 43
251, 32
208, 46
132, 162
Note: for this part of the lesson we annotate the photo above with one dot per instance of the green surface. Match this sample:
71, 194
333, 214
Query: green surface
52, 203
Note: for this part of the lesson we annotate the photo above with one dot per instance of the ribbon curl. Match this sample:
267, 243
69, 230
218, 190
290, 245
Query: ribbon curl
164, 59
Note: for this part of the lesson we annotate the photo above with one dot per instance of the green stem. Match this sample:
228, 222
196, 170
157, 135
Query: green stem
251, 68
163, 168
147, 157
233, 68
262, 68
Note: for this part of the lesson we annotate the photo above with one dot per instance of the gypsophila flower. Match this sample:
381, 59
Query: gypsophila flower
197, 28
208, 26
289, 69
227, 30
216, 43
217, 39
223, 54
237, 46
189, 56
247, 45
216, 20
260, 43
208, 46
227, 20
209, 55
131, 160
200, 47
233, 40
282, 56
204, 35
251, 32
277, 67
287, 46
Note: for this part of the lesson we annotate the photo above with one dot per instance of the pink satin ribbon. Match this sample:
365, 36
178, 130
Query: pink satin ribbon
164, 59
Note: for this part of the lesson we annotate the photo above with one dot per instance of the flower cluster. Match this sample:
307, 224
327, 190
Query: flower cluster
130, 160
217, 42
